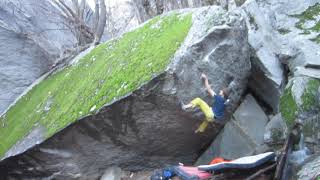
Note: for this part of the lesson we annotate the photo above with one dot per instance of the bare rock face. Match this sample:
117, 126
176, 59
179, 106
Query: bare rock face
32, 35
148, 129
21, 62
268, 76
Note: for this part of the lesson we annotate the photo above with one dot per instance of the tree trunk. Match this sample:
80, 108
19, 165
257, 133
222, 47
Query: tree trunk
81, 9
102, 22
96, 15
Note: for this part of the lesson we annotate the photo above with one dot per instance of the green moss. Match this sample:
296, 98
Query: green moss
310, 14
109, 71
253, 22
309, 94
288, 106
283, 31
276, 135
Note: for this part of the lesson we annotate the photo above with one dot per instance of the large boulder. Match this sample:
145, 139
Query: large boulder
129, 115
32, 35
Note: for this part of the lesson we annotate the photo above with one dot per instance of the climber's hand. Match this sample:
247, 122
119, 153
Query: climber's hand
203, 76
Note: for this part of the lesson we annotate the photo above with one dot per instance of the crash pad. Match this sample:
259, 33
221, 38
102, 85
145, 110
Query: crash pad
190, 173
240, 163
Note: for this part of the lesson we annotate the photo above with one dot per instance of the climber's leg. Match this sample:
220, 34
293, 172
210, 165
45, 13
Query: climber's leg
205, 108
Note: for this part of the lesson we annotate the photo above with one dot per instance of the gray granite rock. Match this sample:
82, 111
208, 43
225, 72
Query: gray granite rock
251, 118
275, 38
267, 73
310, 72
32, 35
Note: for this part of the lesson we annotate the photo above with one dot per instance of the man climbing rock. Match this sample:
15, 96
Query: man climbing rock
216, 111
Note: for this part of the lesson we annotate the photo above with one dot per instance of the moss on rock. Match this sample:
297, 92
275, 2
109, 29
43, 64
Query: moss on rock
108, 72
276, 135
309, 95
310, 15
288, 106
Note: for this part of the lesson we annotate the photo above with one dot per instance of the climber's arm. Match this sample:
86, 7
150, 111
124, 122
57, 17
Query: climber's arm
207, 86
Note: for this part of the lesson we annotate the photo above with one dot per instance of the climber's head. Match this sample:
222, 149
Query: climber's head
224, 92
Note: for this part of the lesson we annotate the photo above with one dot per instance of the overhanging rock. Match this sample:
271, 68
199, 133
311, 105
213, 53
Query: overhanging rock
147, 128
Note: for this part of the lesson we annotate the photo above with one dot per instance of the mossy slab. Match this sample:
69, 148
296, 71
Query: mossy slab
110, 71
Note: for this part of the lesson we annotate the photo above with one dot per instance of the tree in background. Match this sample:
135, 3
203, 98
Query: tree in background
78, 19
146, 9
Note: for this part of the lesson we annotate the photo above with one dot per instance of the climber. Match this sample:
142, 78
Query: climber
211, 113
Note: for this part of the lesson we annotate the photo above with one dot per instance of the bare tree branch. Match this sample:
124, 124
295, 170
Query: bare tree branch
63, 10
77, 14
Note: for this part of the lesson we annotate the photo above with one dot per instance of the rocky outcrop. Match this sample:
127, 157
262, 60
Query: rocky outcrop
146, 128
290, 28
293, 29
281, 35
32, 35
268, 77
241, 136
